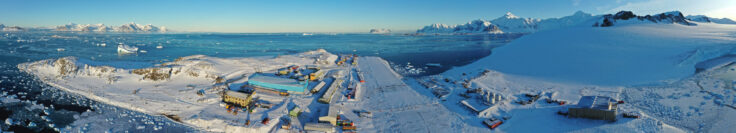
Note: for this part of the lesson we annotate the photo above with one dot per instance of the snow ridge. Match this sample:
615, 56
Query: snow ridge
706, 19
628, 17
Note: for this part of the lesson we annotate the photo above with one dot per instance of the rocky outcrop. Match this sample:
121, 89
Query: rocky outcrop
674, 17
66, 66
154, 74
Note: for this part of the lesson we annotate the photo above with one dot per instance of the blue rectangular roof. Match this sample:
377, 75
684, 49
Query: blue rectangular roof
277, 83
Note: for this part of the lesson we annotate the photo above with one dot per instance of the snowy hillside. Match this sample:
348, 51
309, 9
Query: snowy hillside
706, 19
510, 23
648, 63
621, 55
576, 19
170, 88
131, 27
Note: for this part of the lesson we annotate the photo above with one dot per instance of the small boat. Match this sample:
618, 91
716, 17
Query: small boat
306, 34
125, 49
159, 47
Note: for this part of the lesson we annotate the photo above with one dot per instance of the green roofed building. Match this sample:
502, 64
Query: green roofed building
295, 112
278, 83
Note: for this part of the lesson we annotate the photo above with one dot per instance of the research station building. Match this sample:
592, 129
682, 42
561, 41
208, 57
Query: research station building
278, 83
595, 107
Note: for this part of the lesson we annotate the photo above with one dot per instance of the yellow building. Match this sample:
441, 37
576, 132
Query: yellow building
238, 98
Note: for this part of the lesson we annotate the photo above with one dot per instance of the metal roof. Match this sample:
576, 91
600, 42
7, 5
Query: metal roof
275, 80
236, 94
595, 102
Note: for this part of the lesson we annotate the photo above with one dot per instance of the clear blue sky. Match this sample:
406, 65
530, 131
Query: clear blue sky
322, 15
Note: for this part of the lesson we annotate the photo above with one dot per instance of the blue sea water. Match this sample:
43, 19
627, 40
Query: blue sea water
408, 55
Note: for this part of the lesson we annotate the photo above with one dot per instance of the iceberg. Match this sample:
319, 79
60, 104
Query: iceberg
125, 49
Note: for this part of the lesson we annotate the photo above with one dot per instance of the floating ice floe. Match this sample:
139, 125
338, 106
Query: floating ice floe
8, 121
434, 64
125, 49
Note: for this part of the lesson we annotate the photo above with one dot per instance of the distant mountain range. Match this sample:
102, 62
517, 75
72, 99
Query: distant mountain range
510, 23
380, 31
11, 28
130, 27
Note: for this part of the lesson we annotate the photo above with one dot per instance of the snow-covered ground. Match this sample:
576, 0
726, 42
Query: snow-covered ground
397, 107
619, 55
649, 66
171, 88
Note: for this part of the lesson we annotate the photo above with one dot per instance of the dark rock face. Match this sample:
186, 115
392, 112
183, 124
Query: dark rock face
624, 15
607, 21
668, 17
491, 28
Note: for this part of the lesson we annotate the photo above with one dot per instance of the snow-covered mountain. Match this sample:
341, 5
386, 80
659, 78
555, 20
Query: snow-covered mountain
628, 17
577, 18
510, 23
130, 27
11, 28
380, 31
706, 19
475, 26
